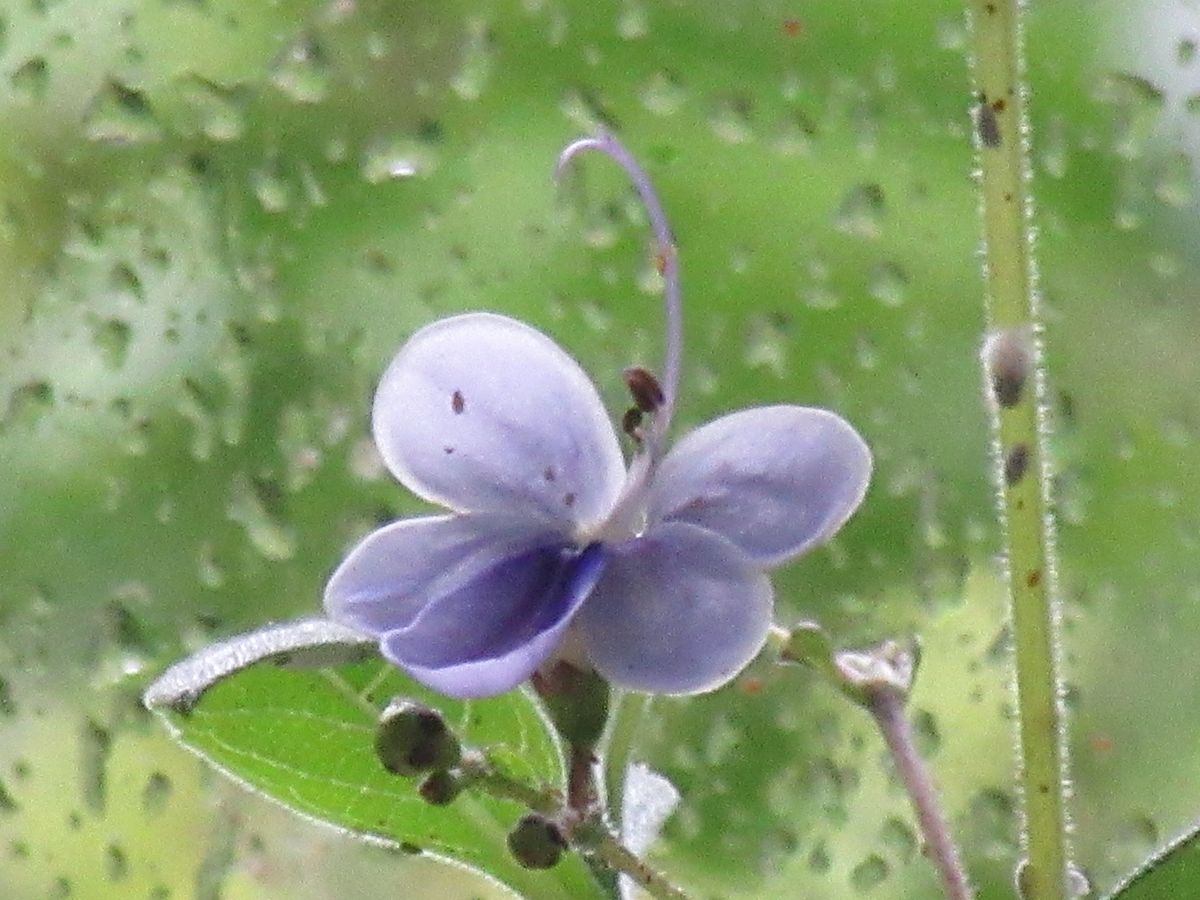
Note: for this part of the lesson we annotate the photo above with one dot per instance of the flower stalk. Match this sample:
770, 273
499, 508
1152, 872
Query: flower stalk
880, 679
886, 706
1015, 384
603, 846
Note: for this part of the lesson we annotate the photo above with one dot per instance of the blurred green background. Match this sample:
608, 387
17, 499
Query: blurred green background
219, 219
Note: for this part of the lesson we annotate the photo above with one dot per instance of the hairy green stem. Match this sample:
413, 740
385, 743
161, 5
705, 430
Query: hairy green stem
478, 771
609, 851
581, 817
1012, 363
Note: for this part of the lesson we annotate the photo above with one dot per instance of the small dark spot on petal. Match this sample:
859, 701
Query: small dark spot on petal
569, 499
457, 403
549, 474
447, 450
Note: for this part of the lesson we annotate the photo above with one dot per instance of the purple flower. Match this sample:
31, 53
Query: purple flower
655, 575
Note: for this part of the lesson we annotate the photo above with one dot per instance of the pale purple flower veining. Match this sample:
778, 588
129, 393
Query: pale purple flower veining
657, 572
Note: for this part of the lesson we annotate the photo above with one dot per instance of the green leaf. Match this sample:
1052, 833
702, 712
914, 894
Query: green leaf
257, 709
1173, 871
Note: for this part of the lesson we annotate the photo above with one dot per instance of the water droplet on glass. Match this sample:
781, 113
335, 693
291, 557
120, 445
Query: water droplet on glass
818, 858
952, 32
1139, 103
385, 159
8, 803
195, 405
29, 403
899, 838
302, 71
584, 110
116, 863
8, 708
632, 23
156, 793
888, 283
663, 94
112, 340
96, 741
730, 120
119, 114
249, 507
1173, 184
29, 80
766, 344
123, 279
272, 190
476, 65
869, 874
861, 211
218, 114
1054, 147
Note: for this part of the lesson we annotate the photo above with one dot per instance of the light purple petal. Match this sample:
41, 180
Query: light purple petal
482, 413
388, 579
774, 480
492, 632
679, 610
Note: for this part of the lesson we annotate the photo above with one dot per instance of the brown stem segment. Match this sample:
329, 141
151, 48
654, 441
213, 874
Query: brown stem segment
583, 797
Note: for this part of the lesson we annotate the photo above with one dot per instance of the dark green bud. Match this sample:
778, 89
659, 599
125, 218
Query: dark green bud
412, 739
536, 842
576, 701
440, 788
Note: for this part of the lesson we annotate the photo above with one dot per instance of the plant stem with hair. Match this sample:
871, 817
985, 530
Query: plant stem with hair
1013, 370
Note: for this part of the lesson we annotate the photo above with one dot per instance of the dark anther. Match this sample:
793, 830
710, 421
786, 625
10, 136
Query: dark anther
457, 403
647, 392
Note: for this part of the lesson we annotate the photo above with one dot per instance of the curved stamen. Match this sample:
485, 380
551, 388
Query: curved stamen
668, 261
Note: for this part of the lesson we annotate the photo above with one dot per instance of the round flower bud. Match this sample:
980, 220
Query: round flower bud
576, 701
412, 739
440, 789
536, 842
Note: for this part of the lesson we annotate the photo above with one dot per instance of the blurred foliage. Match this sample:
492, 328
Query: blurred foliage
219, 219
